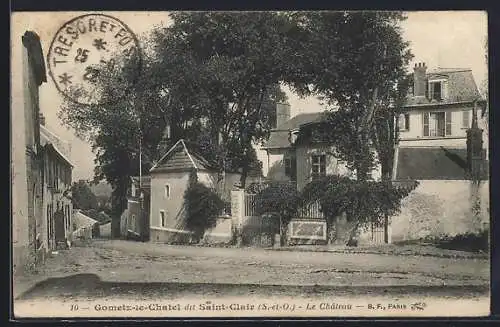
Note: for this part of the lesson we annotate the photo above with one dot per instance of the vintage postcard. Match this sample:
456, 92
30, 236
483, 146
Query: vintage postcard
250, 164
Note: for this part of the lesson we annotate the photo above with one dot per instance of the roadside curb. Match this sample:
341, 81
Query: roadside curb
443, 255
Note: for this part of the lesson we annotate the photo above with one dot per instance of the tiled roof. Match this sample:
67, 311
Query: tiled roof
279, 138
179, 157
432, 163
461, 86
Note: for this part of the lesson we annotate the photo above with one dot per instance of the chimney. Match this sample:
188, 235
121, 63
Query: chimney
419, 79
282, 113
41, 117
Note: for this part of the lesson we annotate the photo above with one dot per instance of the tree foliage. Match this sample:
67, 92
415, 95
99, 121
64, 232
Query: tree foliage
82, 196
364, 202
203, 205
356, 61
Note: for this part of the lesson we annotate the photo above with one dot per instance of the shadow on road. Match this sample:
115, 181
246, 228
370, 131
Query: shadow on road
90, 286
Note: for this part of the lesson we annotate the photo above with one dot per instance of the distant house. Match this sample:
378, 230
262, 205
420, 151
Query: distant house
83, 226
433, 150
57, 204
298, 152
138, 208
169, 180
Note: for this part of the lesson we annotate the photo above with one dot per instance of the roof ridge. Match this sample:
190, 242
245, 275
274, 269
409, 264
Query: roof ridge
166, 154
189, 154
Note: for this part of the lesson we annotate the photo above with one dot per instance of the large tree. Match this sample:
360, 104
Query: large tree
355, 61
236, 61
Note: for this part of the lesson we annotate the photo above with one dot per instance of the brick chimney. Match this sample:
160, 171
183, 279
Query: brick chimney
42, 119
282, 113
419, 79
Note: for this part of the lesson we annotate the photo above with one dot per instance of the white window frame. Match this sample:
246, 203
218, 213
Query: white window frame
464, 113
163, 218
447, 121
313, 164
166, 191
133, 191
444, 88
403, 117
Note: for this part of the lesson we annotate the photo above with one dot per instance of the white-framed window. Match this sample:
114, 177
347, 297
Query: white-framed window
318, 166
438, 89
132, 222
163, 218
133, 190
466, 118
404, 122
437, 124
166, 192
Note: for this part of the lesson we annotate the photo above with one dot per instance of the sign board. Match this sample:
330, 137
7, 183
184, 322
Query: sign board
307, 229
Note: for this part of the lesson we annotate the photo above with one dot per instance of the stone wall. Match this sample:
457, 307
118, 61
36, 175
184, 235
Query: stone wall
438, 207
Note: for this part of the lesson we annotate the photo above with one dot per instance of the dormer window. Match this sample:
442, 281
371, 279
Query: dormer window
438, 89
435, 91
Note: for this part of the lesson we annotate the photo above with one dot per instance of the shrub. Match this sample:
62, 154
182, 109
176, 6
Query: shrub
364, 202
470, 242
279, 199
203, 206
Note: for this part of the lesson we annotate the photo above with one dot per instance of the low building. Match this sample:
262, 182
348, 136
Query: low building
169, 181
138, 208
57, 177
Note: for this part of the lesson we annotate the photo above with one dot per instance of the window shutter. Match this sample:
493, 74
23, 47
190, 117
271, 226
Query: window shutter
444, 90
431, 91
448, 122
407, 122
425, 118
465, 119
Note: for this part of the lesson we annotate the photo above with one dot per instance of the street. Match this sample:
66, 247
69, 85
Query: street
110, 268
126, 278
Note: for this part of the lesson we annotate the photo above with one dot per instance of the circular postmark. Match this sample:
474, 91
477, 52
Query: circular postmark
85, 49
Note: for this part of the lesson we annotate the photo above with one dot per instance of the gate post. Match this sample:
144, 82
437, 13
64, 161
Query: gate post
237, 213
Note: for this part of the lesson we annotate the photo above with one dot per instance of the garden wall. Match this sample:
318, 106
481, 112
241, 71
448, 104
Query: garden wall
439, 207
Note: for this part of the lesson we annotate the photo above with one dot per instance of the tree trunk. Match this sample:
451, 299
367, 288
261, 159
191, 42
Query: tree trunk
119, 204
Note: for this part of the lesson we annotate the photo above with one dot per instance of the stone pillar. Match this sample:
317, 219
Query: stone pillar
237, 213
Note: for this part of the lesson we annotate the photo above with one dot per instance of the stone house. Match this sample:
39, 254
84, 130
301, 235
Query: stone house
138, 208
296, 152
26, 160
170, 179
432, 149
57, 177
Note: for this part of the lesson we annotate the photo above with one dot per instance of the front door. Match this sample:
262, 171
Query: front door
59, 226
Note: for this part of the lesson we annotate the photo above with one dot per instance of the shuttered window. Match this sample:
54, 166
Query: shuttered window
466, 119
448, 123
426, 123
437, 124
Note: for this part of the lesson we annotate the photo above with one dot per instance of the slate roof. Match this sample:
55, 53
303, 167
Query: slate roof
179, 157
433, 163
461, 87
279, 138
49, 139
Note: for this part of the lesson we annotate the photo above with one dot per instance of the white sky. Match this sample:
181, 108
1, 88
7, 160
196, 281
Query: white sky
444, 39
